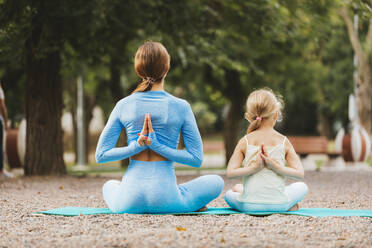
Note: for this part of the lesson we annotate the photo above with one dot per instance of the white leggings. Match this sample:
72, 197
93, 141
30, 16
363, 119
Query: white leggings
296, 192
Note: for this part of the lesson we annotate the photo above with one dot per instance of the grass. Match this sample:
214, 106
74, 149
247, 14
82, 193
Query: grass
369, 160
319, 164
95, 169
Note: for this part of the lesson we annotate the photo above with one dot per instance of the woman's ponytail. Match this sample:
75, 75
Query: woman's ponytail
145, 85
152, 63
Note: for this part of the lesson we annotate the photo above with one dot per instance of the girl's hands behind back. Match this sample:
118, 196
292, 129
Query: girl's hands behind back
259, 164
294, 169
269, 162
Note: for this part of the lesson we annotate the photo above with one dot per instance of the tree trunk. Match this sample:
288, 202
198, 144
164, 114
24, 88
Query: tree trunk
232, 128
89, 103
74, 135
44, 148
236, 94
114, 83
325, 125
364, 91
365, 106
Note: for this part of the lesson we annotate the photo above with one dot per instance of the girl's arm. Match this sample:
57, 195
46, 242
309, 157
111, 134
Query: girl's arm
234, 168
294, 169
106, 150
193, 155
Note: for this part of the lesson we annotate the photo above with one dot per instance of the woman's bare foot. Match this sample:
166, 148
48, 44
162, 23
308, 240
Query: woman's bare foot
294, 208
203, 209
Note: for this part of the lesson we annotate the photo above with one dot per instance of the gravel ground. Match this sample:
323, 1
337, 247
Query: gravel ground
19, 227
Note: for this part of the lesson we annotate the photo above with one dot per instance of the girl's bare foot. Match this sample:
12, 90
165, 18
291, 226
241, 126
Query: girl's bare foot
203, 209
294, 208
238, 188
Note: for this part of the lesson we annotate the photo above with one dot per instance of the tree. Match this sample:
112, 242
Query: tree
41, 29
364, 91
242, 51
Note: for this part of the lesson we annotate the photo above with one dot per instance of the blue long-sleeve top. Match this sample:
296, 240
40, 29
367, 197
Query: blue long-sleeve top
169, 116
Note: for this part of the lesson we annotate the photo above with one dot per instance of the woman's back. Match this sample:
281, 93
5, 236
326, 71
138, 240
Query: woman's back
169, 116
166, 116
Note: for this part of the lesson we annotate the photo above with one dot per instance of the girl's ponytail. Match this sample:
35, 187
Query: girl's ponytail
254, 124
261, 105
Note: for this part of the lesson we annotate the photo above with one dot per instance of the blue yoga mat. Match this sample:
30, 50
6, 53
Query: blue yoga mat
315, 212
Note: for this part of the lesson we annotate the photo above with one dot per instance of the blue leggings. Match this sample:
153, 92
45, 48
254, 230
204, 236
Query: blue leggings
296, 192
151, 187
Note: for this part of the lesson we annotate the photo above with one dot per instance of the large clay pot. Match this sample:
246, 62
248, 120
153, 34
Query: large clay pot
354, 145
15, 145
12, 149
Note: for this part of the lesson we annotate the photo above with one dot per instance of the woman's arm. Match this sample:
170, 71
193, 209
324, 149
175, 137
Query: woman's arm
106, 150
193, 155
234, 168
294, 169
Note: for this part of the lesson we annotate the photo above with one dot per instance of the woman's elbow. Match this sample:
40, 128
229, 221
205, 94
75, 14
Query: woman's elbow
100, 157
198, 162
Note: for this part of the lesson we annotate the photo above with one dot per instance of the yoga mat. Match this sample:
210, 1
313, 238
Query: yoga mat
314, 212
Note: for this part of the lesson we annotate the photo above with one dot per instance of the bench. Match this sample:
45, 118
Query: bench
305, 145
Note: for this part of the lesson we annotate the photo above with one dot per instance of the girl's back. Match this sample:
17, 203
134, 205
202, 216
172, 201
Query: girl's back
264, 158
264, 186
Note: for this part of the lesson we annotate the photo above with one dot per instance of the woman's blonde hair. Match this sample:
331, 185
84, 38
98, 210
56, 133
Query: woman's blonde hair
152, 63
262, 105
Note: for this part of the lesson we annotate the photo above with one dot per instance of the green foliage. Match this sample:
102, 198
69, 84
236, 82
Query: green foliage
297, 47
205, 117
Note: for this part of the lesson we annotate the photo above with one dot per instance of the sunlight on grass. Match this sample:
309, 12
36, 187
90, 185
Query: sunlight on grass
369, 160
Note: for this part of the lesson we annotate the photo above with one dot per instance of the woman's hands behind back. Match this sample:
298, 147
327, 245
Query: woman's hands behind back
146, 129
145, 139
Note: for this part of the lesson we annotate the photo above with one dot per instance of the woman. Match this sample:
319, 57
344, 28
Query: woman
149, 185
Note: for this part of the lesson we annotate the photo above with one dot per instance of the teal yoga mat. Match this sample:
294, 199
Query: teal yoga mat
315, 212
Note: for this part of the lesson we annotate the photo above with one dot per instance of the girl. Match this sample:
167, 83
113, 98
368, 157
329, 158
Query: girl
149, 185
264, 153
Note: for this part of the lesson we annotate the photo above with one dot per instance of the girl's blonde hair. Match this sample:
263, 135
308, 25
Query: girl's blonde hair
262, 105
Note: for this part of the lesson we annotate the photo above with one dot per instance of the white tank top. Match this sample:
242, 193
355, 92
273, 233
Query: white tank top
265, 186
